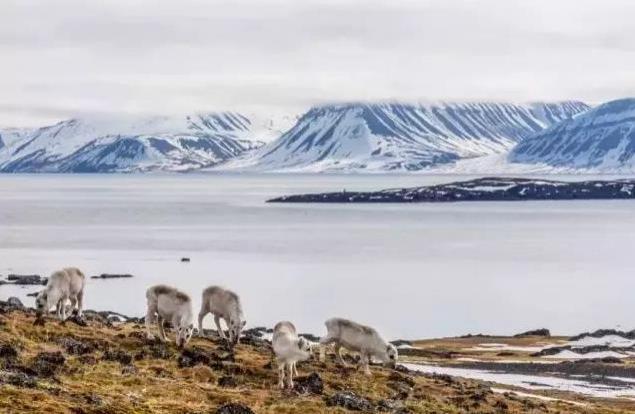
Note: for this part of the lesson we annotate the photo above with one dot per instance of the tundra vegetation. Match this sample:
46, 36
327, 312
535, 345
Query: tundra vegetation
93, 365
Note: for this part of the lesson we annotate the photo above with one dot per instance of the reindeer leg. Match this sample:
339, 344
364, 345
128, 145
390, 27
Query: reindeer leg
201, 316
161, 328
338, 352
221, 333
150, 317
290, 372
281, 375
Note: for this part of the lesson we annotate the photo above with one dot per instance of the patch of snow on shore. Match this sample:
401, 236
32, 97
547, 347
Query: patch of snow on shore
612, 341
491, 347
568, 354
531, 382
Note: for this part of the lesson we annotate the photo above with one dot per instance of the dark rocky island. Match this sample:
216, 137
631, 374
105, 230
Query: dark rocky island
480, 189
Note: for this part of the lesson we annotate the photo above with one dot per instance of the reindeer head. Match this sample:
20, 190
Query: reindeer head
391, 355
235, 328
184, 334
41, 303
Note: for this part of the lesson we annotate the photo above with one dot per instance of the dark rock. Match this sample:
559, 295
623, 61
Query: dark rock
13, 301
32, 294
310, 337
392, 406
27, 279
18, 379
605, 360
161, 351
185, 259
535, 332
604, 332
227, 381
129, 370
75, 347
93, 399
193, 356
400, 342
8, 351
123, 357
234, 408
506, 354
112, 276
47, 364
257, 331
77, 320
397, 377
350, 401
87, 359
403, 390
479, 189
311, 384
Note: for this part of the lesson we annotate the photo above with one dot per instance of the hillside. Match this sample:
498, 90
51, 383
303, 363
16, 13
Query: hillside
402, 137
99, 366
602, 139
133, 143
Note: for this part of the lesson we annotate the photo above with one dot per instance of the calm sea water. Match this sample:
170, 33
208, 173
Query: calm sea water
412, 271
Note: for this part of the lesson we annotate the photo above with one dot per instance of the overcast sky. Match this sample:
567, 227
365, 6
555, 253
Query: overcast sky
65, 58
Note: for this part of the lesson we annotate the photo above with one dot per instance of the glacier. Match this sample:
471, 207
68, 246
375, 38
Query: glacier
602, 139
402, 137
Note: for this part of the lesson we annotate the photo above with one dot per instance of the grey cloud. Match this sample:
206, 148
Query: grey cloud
73, 56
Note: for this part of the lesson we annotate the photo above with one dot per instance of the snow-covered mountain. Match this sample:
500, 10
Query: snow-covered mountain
133, 143
602, 139
393, 136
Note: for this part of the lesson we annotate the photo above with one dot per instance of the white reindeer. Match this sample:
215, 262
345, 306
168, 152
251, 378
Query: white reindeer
62, 285
166, 303
357, 338
289, 349
223, 304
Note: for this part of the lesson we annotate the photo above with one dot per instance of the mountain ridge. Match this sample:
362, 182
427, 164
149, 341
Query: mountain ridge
602, 138
406, 137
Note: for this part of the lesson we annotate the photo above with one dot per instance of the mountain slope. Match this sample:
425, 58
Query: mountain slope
126, 143
603, 138
396, 136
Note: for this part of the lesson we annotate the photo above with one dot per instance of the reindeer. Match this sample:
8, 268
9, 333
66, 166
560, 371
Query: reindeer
62, 285
168, 303
357, 338
223, 304
289, 349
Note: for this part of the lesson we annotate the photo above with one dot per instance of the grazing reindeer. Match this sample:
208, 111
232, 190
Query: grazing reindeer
223, 304
357, 338
289, 349
63, 285
166, 303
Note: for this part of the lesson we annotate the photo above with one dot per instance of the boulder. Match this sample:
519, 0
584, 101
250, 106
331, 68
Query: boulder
123, 357
112, 276
75, 347
227, 381
27, 279
234, 408
8, 351
47, 364
13, 301
350, 401
311, 384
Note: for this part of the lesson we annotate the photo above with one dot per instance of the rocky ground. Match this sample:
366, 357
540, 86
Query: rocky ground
104, 364
480, 189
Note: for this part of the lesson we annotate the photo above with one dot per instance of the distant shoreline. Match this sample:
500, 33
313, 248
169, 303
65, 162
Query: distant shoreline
480, 189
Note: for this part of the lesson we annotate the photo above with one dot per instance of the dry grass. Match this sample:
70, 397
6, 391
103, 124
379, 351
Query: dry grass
156, 384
